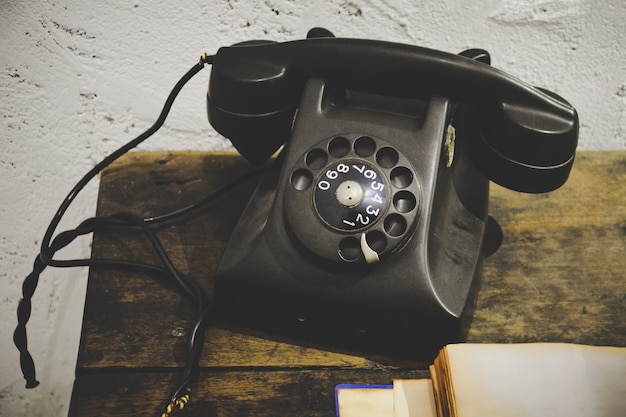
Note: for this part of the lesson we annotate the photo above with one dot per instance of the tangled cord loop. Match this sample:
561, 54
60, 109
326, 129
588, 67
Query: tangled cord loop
50, 246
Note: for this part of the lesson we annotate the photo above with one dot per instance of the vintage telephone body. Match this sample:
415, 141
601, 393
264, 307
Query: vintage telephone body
369, 231
369, 228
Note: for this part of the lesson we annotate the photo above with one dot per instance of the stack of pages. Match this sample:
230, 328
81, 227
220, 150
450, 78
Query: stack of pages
505, 380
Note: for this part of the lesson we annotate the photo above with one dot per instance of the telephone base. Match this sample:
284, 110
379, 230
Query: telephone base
286, 268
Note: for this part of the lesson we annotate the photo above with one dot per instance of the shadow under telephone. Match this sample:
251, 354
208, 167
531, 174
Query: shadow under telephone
368, 231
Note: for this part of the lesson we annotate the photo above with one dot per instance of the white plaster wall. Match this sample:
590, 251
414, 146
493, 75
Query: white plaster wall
79, 78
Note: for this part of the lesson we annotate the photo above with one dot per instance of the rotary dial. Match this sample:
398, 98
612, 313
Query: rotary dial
352, 198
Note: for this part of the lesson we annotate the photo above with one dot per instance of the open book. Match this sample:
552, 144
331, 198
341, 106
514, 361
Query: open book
507, 380
405, 398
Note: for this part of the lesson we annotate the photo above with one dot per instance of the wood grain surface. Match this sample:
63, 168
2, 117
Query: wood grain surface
559, 275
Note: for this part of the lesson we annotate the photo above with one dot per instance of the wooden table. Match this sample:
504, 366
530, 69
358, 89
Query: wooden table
560, 275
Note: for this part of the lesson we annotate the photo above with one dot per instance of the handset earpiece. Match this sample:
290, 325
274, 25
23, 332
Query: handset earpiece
526, 148
526, 132
514, 173
254, 105
245, 104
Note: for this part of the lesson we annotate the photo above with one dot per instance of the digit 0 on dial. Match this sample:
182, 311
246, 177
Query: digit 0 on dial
351, 195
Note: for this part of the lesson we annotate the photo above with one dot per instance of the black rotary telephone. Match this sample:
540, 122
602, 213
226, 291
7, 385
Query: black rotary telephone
371, 231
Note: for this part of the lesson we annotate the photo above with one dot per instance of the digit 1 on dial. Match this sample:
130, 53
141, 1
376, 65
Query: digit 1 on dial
350, 195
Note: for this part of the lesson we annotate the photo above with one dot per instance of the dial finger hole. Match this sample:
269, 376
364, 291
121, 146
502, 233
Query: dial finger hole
364, 146
350, 249
316, 158
387, 157
395, 225
404, 201
401, 177
301, 179
376, 240
339, 147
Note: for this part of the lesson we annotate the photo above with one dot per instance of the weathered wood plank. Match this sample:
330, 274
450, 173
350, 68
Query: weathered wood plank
558, 276
136, 321
224, 393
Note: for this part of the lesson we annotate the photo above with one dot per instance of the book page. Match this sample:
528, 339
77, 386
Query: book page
413, 398
538, 379
364, 400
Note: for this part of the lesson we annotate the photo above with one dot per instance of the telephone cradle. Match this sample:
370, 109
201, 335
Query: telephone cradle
368, 231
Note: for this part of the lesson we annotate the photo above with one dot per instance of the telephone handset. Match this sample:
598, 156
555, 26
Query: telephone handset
256, 87
371, 231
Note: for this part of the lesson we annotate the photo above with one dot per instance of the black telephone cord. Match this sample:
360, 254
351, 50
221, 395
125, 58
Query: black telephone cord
50, 246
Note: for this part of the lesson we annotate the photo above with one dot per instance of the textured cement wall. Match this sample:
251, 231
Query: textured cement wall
79, 78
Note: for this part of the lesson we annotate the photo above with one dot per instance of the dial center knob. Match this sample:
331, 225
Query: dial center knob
349, 193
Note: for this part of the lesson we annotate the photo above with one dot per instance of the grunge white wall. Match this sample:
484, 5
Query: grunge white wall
79, 78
